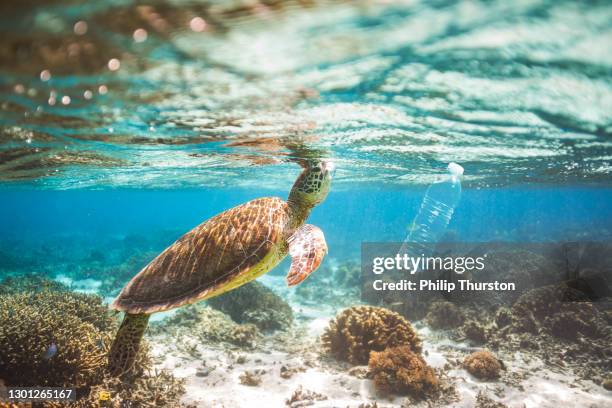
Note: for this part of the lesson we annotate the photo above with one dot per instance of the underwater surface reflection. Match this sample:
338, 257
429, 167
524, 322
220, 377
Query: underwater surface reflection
179, 94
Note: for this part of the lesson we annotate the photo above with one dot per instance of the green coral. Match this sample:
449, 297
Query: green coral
358, 330
255, 303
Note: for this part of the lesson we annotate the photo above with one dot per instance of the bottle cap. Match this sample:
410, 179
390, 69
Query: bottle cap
455, 169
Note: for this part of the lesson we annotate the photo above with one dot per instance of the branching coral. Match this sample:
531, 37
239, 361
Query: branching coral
503, 317
251, 378
28, 283
483, 364
560, 310
254, 303
302, 398
209, 325
474, 332
360, 329
31, 322
444, 315
80, 329
245, 335
400, 370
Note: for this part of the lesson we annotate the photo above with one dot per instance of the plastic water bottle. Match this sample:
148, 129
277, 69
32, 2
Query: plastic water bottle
435, 213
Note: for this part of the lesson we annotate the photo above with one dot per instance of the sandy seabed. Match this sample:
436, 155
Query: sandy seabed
286, 362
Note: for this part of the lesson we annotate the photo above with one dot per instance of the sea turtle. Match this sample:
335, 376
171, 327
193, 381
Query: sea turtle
223, 253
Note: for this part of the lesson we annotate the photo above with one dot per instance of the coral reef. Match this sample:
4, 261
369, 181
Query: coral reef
244, 335
484, 401
30, 282
444, 315
357, 331
254, 303
287, 372
503, 317
348, 275
401, 370
159, 389
339, 286
303, 398
483, 365
560, 310
475, 332
31, 322
60, 338
208, 325
251, 378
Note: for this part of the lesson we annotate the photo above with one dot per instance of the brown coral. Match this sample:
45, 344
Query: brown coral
31, 322
483, 365
251, 378
400, 370
559, 310
209, 326
503, 317
474, 332
358, 330
256, 304
444, 315
302, 398
81, 328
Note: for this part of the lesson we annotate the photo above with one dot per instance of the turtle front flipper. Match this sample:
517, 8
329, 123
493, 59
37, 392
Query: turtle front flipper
127, 343
307, 248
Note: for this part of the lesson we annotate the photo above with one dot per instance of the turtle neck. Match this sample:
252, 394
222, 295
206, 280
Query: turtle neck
298, 211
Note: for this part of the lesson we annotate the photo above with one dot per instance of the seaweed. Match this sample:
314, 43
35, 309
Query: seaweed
401, 370
358, 330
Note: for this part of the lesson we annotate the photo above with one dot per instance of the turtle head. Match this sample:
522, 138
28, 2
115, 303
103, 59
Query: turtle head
312, 186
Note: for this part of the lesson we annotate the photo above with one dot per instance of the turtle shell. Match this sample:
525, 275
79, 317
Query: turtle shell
220, 254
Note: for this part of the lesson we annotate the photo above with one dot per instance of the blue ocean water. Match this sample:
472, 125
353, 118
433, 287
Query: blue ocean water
125, 124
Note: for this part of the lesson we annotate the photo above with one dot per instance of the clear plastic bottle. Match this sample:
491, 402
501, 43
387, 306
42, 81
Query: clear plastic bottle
435, 213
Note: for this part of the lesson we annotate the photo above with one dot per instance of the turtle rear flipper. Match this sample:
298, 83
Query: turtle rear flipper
307, 248
127, 343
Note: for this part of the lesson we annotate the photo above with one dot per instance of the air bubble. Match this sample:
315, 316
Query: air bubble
45, 75
80, 27
140, 35
197, 24
114, 64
